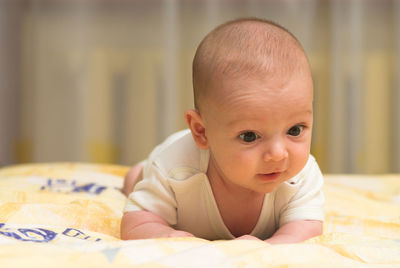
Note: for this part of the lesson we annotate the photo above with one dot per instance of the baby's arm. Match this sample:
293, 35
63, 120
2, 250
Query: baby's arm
292, 232
145, 224
296, 231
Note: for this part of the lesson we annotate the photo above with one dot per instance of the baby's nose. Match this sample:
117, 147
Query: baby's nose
276, 151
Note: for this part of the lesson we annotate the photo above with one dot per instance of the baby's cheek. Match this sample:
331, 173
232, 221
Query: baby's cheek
299, 159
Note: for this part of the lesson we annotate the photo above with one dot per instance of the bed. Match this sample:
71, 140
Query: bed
68, 214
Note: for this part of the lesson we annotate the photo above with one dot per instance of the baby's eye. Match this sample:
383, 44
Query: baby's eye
295, 130
248, 136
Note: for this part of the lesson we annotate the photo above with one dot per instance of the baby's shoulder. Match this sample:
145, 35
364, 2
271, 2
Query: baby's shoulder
178, 156
308, 173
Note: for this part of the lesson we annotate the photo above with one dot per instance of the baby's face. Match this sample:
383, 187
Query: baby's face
259, 132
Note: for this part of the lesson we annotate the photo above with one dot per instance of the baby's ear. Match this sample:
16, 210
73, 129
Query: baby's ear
196, 125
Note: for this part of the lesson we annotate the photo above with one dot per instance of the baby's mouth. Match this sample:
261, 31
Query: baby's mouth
269, 176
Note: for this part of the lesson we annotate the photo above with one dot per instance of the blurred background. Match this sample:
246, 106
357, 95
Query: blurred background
106, 80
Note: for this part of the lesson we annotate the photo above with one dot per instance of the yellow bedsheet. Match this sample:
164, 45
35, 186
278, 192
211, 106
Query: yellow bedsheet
68, 214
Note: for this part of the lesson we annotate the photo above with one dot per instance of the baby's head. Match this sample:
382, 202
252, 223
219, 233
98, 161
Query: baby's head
253, 97
246, 49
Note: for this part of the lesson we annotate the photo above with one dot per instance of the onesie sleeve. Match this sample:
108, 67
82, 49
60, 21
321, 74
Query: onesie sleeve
302, 197
153, 194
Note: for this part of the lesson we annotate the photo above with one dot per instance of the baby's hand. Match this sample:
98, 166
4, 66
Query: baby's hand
177, 233
247, 237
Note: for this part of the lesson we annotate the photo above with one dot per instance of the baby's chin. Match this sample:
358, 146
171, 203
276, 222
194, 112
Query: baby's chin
269, 184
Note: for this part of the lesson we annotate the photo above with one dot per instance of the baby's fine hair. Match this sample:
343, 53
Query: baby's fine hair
242, 48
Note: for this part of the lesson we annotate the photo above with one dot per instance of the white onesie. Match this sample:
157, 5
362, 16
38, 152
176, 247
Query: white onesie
175, 186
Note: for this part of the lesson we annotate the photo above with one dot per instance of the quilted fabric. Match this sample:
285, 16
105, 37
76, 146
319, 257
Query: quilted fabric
68, 214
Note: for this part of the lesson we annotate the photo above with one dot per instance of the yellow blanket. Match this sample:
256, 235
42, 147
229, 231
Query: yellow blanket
68, 214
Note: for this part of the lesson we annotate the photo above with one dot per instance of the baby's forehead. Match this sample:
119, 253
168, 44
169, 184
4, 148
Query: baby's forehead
255, 99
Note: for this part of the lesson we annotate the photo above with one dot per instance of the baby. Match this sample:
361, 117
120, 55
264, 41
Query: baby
243, 170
